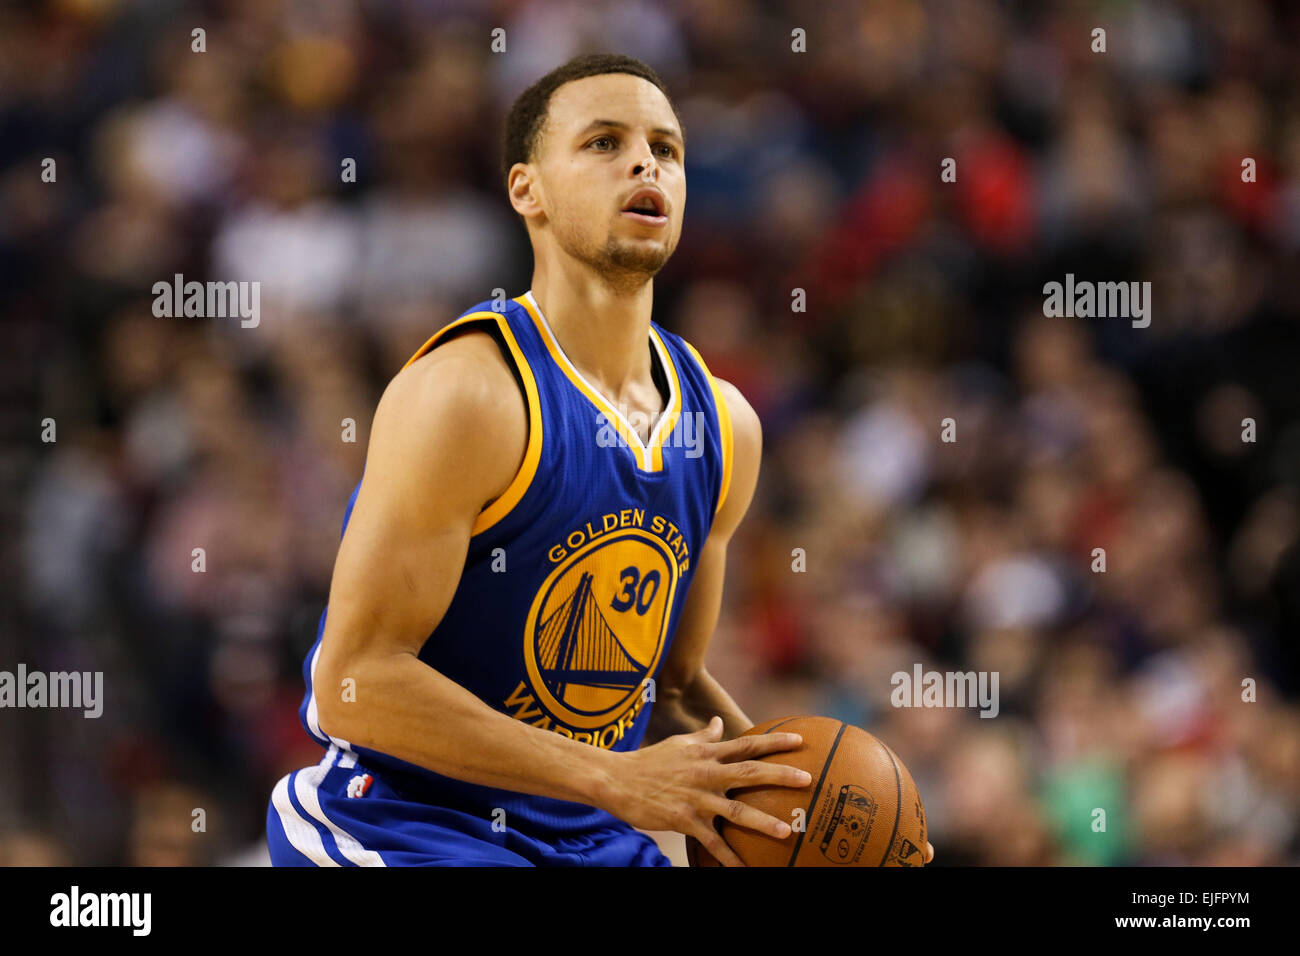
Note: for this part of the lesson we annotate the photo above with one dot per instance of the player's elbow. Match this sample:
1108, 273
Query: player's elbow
335, 686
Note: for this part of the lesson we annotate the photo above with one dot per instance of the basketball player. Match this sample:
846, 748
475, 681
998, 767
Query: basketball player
511, 670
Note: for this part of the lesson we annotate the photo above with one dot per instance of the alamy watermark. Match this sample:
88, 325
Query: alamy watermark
687, 431
75, 908
208, 300
25, 688
1102, 300
946, 689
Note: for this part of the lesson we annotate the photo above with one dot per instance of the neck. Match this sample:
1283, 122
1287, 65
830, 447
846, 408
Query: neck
602, 326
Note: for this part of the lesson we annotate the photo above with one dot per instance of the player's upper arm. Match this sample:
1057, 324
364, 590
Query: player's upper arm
448, 437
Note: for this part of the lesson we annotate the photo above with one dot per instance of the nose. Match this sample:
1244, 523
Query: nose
646, 169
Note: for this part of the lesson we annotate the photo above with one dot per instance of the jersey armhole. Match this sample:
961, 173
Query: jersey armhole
723, 414
495, 324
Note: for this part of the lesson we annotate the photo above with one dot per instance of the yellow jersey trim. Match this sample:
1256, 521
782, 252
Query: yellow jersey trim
649, 457
724, 426
503, 505
668, 421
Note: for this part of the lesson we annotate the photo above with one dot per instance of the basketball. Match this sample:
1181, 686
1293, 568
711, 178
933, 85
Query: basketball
862, 809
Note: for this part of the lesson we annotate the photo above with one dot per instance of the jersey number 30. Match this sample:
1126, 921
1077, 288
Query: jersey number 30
637, 590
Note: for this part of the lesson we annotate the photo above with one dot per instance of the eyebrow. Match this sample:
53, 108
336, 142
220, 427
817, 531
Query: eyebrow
618, 124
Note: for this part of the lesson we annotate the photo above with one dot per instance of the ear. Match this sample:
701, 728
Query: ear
524, 190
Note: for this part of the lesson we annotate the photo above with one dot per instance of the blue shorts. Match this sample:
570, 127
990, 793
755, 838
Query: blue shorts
312, 821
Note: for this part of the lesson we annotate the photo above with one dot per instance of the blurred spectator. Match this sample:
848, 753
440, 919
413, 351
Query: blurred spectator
1095, 529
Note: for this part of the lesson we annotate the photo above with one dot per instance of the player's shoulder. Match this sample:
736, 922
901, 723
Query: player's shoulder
467, 367
746, 428
743, 460
744, 420
462, 383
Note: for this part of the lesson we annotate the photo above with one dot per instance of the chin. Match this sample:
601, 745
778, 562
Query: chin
645, 255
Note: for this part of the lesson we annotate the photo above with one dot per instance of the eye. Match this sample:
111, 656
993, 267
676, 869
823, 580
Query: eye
666, 150
607, 141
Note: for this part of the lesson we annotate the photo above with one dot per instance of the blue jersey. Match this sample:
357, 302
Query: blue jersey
576, 575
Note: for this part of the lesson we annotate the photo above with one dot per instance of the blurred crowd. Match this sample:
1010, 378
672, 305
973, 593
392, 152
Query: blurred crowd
1157, 679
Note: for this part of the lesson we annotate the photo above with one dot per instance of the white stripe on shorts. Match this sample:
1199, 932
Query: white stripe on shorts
305, 784
302, 836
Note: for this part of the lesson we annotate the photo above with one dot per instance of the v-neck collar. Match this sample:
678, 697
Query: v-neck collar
648, 455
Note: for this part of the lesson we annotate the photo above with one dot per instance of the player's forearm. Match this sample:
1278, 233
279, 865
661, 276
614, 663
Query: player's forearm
405, 708
692, 708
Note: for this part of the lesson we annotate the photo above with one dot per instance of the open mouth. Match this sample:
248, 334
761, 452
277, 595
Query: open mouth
646, 206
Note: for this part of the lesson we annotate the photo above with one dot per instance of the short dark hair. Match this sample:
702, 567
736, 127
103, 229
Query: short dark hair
528, 112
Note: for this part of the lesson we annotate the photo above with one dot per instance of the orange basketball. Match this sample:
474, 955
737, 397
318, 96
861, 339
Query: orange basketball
862, 808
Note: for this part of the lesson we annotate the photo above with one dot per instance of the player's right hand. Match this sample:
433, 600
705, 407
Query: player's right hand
681, 783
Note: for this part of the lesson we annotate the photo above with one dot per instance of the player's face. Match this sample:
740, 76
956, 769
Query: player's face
591, 162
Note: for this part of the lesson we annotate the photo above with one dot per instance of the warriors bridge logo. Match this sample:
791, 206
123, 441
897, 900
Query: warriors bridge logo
598, 627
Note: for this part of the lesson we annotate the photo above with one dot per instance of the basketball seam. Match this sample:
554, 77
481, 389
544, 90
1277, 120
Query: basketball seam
915, 792
817, 792
779, 723
898, 802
